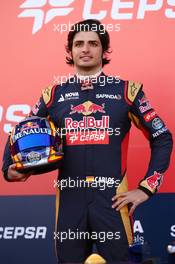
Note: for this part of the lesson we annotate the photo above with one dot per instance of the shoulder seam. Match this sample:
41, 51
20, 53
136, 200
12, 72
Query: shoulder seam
48, 94
131, 90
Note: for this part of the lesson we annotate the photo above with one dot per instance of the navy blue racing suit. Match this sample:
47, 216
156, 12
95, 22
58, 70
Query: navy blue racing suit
95, 122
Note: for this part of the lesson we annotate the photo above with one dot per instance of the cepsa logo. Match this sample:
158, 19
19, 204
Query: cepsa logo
112, 8
12, 115
29, 232
172, 233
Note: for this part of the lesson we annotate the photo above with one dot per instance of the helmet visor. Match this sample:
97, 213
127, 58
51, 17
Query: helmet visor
36, 140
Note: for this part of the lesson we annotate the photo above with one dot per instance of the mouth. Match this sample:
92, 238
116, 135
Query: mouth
85, 58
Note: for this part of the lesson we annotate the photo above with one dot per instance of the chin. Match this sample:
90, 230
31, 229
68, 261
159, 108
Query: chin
87, 64
87, 67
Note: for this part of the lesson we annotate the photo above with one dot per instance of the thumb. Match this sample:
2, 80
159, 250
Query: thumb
13, 166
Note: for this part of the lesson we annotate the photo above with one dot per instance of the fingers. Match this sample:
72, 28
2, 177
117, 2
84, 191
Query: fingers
15, 175
122, 199
120, 203
20, 178
123, 202
119, 195
24, 179
133, 207
12, 166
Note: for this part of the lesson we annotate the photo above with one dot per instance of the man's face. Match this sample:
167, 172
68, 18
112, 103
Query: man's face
87, 50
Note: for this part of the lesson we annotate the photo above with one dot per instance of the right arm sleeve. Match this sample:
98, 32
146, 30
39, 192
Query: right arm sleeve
39, 109
7, 160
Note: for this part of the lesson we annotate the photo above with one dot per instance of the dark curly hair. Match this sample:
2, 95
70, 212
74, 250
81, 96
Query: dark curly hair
89, 25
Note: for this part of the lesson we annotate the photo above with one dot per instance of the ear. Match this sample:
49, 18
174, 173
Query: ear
104, 56
70, 53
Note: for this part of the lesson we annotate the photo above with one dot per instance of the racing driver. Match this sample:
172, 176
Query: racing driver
94, 112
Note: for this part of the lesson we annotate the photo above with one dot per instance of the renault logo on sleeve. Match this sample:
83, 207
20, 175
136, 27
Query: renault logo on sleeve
157, 123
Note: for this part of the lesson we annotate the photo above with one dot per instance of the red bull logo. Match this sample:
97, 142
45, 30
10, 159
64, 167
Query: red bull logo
29, 125
143, 100
87, 122
87, 108
96, 108
154, 180
80, 109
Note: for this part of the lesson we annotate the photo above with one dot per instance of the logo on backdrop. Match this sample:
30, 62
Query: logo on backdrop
13, 115
118, 10
172, 231
18, 232
138, 231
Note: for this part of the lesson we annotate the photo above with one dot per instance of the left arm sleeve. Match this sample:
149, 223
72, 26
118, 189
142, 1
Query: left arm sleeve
40, 109
145, 118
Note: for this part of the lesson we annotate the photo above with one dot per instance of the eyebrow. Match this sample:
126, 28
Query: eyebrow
90, 41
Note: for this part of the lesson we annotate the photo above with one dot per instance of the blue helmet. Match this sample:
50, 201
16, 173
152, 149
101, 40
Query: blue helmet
36, 146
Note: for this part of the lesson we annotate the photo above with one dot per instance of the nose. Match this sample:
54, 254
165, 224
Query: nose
85, 48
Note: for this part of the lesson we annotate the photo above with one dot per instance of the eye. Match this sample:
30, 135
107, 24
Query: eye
94, 44
78, 44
